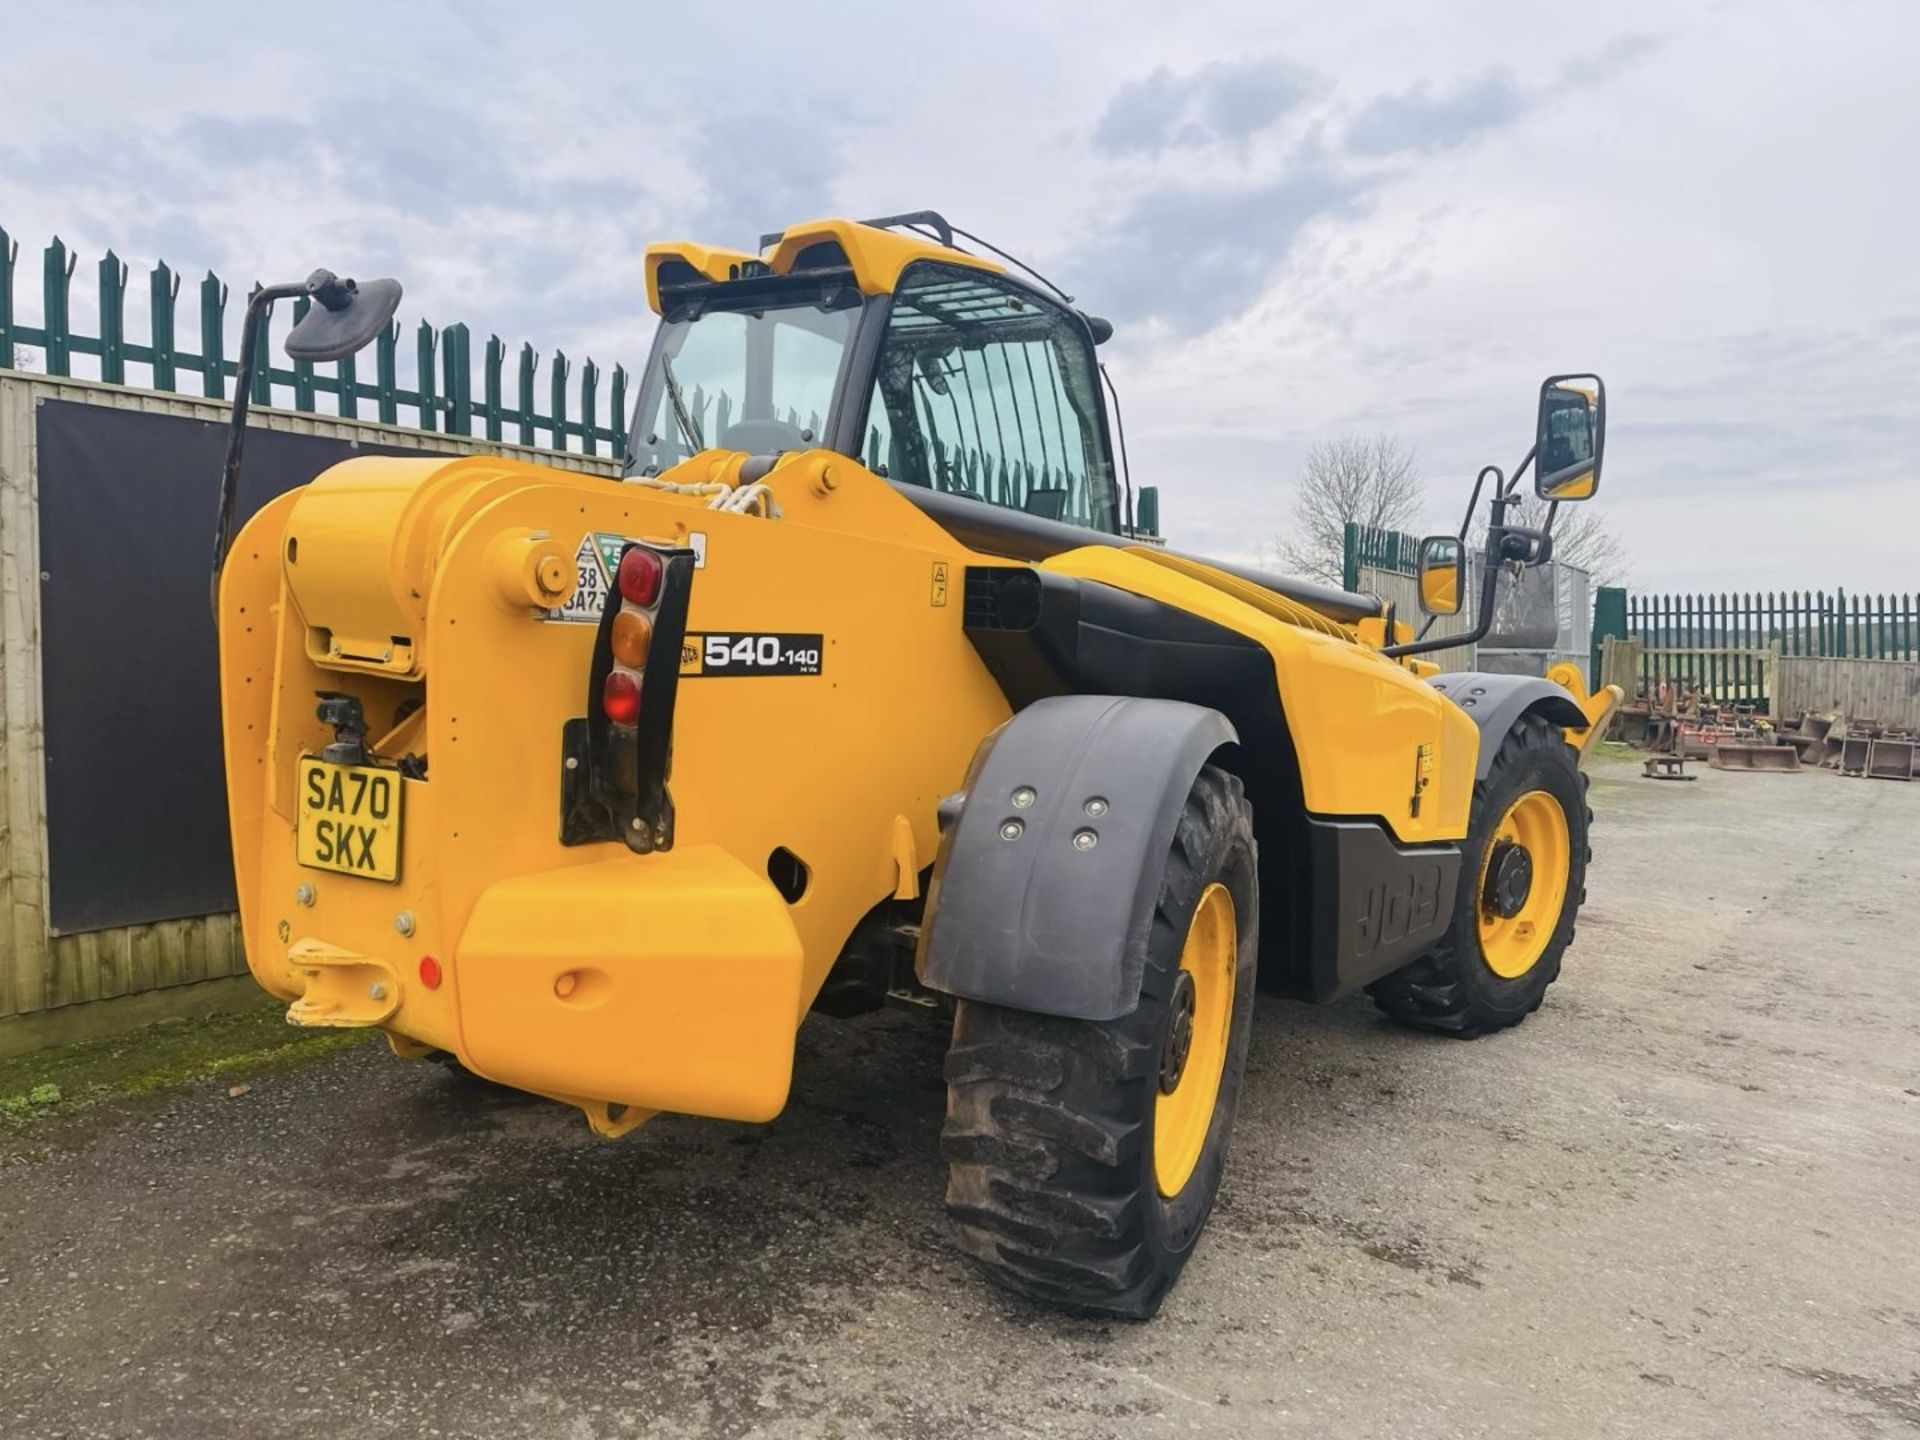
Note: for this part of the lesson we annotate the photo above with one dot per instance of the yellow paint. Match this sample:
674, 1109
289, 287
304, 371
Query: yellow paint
906, 860
714, 262
1258, 597
343, 988
670, 982
1513, 945
1597, 706
877, 257
1356, 716
707, 970
1371, 631
532, 569
674, 981
1182, 1115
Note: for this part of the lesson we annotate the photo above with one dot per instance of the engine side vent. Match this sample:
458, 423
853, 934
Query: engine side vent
1001, 597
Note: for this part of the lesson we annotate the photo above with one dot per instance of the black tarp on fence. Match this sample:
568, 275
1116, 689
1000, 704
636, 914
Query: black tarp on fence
136, 800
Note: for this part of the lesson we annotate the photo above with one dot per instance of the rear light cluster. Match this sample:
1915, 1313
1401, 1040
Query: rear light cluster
639, 580
616, 759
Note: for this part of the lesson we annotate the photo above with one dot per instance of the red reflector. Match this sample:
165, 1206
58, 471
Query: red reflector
429, 972
620, 698
640, 574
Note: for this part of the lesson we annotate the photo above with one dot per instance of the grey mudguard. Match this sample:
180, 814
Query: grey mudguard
1496, 703
1036, 922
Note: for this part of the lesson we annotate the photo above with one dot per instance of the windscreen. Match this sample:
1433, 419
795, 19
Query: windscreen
758, 380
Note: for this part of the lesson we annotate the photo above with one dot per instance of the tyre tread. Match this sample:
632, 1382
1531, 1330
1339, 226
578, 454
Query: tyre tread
1043, 1155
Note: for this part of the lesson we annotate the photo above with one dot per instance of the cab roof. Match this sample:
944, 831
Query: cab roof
873, 254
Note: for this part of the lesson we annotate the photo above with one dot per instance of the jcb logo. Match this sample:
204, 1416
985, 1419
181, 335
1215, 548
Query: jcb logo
1390, 910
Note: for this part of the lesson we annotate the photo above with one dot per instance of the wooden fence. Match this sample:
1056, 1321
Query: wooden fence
1886, 691
42, 972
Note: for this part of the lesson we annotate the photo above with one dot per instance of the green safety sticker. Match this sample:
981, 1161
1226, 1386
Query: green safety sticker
594, 563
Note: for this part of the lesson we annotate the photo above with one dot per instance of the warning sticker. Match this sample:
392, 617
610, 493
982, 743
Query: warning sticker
594, 565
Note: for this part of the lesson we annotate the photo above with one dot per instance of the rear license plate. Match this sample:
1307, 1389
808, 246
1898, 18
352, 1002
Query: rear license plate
349, 819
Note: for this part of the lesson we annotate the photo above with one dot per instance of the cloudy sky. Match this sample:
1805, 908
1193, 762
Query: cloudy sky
1306, 220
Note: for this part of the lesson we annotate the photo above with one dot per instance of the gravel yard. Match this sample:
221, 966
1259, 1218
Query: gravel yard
1682, 1200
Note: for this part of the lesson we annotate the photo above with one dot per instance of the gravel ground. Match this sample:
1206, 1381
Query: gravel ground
1678, 1201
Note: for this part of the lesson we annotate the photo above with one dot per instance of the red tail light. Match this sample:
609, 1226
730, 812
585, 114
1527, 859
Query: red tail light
640, 575
620, 698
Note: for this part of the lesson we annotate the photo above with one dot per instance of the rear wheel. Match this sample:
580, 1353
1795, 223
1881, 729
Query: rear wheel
1084, 1157
1522, 882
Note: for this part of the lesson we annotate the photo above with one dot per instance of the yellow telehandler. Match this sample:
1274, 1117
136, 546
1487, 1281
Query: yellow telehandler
861, 687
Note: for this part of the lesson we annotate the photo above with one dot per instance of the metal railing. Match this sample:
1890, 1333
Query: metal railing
1721, 644
1373, 547
442, 395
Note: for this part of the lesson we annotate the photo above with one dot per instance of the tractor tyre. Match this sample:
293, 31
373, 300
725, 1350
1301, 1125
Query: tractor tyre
1083, 1156
1523, 879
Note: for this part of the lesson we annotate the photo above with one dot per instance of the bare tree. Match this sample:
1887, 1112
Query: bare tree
21, 360
1580, 536
1356, 479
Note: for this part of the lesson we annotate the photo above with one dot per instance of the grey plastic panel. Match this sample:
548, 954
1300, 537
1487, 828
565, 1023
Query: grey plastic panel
1018, 914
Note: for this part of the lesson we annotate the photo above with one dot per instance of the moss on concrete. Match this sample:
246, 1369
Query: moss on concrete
160, 1058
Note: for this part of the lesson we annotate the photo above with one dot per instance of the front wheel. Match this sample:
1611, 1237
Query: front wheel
1522, 880
1084, 1157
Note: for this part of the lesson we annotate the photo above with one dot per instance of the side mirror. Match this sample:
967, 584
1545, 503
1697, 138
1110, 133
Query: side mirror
1569, 438
343, 318
1443, 574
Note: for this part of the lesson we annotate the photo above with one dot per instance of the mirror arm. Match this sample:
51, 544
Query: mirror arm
1499, 485
1520, 470
257, 308
1489, 582
1466, 524
1484, 623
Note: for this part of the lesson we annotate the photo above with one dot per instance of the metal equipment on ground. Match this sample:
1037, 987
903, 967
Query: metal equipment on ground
1755, 757
1666, 767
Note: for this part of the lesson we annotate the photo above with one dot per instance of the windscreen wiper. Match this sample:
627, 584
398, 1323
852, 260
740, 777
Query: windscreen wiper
688, 429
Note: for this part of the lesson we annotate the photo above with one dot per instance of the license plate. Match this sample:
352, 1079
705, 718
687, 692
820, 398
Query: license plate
349, 819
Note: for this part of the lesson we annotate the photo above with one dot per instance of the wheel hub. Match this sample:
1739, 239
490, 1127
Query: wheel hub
1179, 1042
1509, 879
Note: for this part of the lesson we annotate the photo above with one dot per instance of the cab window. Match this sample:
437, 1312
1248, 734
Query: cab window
758, 379
984, 389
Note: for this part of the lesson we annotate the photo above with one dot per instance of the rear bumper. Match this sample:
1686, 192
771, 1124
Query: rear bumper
669, 983
666, 982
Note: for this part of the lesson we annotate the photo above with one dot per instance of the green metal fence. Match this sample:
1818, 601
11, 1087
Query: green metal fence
1719, 644
442, 396
1380, 549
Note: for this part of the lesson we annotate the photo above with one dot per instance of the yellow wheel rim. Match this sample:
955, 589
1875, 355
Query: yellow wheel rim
1194, 1053
1523, 884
